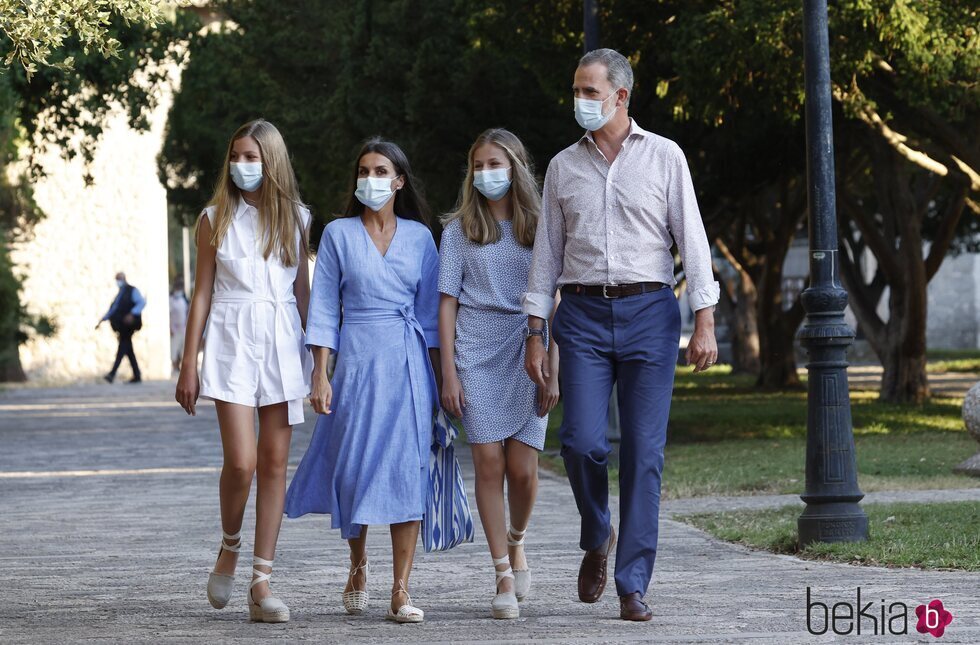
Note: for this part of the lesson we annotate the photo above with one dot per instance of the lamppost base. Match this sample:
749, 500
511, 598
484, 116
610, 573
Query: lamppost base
832, 522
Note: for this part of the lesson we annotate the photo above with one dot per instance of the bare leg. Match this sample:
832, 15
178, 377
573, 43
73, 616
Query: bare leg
237, 424
273, 456
488, 459
404, 537
358, 554
522, 491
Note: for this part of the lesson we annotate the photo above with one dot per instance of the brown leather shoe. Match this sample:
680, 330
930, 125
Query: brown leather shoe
632, 607
592, 573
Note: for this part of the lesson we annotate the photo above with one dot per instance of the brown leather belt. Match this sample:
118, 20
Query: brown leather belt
612, 290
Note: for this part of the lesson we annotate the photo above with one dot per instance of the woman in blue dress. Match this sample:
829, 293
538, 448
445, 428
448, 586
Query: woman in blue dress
376, 270
485, 259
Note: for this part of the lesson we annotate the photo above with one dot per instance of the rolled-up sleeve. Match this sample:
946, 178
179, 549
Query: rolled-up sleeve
323, 318
549, 252
427, 295
687, 229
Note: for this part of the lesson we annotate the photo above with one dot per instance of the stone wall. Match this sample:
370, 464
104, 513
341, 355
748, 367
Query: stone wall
954, 304
89, 233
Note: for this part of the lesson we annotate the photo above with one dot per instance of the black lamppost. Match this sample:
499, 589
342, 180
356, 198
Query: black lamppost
832, 513
590, 19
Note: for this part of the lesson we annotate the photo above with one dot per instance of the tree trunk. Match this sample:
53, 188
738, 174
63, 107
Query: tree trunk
904, 378
778, 370
10, 320
777, 327
11, 371
745, 339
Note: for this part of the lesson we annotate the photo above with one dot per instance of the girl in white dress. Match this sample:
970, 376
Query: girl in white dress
252, 288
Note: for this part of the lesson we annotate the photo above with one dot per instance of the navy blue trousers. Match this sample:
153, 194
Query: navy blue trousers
632, 342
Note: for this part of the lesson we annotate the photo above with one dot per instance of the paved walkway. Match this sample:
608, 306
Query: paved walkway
109, 524
868, 377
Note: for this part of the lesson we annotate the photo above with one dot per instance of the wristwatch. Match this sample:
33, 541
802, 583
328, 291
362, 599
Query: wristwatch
531, 331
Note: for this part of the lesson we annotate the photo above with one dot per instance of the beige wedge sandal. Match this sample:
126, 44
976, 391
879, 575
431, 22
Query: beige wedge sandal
504, 604
220, 584
522, 577
267, 610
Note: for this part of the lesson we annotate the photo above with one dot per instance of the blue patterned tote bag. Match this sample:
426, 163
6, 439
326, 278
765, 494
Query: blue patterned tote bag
448, 521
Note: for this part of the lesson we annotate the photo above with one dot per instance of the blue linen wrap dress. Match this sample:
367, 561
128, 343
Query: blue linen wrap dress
368, 461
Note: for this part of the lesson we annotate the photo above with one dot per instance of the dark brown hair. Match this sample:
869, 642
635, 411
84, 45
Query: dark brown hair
409, 200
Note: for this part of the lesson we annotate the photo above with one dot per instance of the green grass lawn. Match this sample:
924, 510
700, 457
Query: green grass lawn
727, 438
929, 536
953, 360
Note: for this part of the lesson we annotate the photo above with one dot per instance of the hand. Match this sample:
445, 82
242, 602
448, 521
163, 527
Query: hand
548, 396
702, 350
98, 324
453, 399
322, 394
128, 319
536, 361
188, 388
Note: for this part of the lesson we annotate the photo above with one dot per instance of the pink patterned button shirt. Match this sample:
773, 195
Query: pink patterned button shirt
615, 223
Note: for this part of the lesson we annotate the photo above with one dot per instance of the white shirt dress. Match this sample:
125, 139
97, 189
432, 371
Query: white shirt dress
254, 347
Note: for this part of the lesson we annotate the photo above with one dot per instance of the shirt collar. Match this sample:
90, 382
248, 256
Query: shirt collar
635, 131
241, 207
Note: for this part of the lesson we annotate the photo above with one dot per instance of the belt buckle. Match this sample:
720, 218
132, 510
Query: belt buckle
606, 295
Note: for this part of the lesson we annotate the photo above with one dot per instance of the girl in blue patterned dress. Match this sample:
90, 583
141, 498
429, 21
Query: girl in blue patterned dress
485, 257
368, 459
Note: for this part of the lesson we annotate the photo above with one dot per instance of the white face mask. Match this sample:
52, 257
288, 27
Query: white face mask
493, 184
246, 175
374, 192
588, 112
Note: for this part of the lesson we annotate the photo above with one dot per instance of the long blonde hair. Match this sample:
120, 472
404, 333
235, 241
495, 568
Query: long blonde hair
279, 207
472, 209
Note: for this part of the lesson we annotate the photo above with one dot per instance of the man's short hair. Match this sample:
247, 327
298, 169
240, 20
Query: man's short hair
619, 72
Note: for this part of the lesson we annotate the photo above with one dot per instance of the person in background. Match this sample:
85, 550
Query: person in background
178, 323
125, 318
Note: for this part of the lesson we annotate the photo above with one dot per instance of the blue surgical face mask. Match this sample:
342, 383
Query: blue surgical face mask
493, 184
120, 283
246, 175
374, 192
588, 112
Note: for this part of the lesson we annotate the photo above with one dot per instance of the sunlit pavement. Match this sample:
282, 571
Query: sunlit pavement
109, 511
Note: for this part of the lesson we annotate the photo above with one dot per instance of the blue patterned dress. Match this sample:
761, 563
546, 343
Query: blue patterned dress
489, 280
368, 460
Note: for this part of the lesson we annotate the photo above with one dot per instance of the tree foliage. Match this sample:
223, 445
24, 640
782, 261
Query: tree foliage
79, 61
40, 33
904, 77
332, 74
724, 79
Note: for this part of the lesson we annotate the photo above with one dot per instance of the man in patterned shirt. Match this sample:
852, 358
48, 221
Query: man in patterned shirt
615, 203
